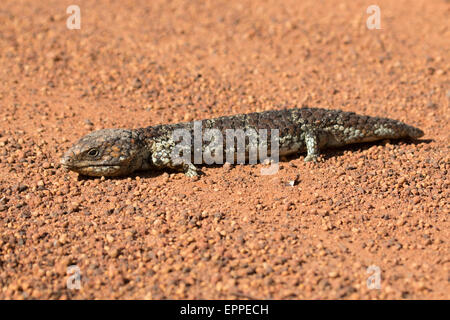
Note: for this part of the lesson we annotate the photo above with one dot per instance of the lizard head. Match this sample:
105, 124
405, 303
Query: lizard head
107, 152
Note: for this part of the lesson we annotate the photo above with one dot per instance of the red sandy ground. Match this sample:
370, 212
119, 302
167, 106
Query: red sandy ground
232, 233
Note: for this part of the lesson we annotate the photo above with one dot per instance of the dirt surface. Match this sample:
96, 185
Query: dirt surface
232, 234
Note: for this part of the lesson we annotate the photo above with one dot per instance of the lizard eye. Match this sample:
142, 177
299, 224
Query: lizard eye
93, 152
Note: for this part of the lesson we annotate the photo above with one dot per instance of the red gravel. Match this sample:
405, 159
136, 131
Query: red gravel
232, 233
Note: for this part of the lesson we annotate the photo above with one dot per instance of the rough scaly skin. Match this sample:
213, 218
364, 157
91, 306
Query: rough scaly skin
119, 152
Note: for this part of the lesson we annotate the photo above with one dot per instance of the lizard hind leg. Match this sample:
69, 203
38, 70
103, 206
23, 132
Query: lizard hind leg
312, 146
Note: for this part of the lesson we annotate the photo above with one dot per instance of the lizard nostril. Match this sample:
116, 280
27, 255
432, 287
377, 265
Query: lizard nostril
65, 161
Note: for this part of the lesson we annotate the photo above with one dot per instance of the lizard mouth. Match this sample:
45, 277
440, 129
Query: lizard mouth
74, 168
67, 163
90, 165
94, 170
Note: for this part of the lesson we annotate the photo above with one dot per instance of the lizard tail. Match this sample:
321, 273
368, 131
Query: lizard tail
362, 128
414, 132
396, 129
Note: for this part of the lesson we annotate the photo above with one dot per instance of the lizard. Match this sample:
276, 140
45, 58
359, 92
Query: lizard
119, 152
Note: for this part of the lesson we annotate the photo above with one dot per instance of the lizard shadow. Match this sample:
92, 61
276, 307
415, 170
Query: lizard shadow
141, 174
339, 151
147, 174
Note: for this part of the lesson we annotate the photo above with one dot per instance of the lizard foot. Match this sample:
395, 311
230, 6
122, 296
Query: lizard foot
311, 158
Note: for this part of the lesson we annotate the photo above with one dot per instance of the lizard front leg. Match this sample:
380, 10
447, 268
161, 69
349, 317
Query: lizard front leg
312, 146
162, 157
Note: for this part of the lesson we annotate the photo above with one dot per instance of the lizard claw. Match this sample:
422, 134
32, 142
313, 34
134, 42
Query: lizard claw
310, 158
191, 171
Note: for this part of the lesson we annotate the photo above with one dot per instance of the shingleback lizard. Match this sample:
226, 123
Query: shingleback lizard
119, 152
